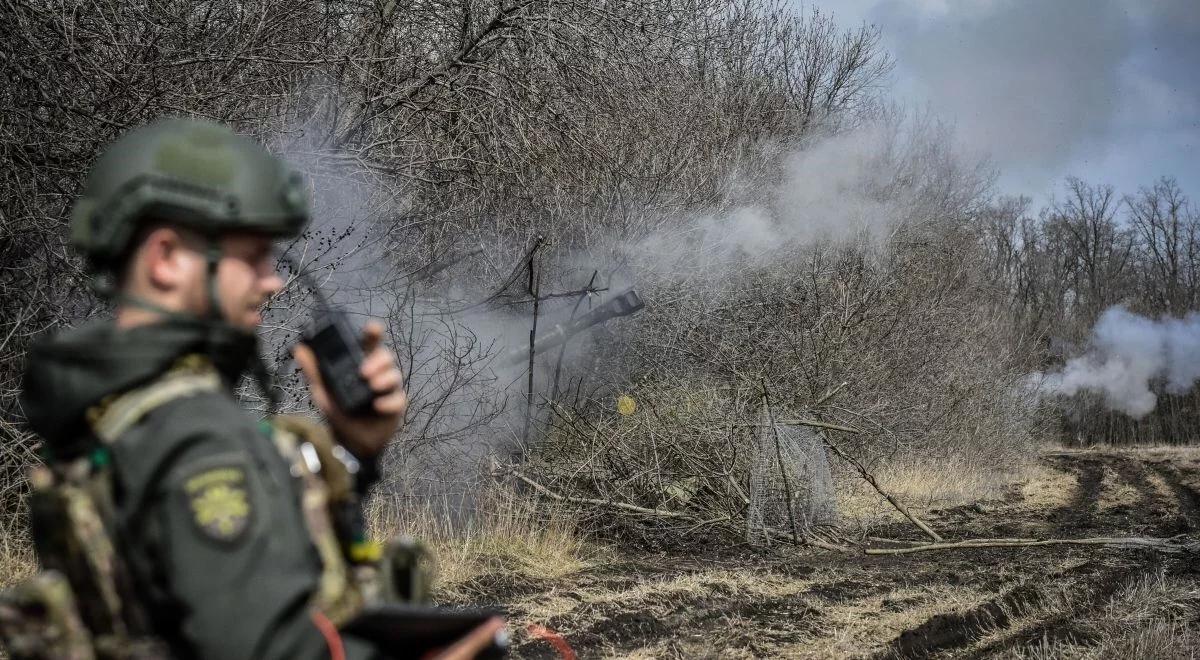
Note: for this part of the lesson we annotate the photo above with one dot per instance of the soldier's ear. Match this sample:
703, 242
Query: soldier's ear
168, 259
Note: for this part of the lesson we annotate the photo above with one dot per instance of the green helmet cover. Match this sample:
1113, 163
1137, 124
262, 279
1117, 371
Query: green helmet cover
194, 173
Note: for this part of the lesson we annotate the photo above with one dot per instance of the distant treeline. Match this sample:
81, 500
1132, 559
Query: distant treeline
1093, 248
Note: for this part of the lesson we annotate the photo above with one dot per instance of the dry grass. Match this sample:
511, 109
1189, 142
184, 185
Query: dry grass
1152, 618
17, 560
1173, 452
866, 624
660, 598
1044, 488
1116, 493
766, 584
932, 484
498, 532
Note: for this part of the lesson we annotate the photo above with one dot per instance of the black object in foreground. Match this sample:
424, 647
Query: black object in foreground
412, 631
336, 344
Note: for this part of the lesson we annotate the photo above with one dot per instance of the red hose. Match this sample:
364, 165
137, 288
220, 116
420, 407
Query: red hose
337, 651
554, 639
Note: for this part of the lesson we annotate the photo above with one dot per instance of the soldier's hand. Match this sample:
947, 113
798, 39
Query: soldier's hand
364, 436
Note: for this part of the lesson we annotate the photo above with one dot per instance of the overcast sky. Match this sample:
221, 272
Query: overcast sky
1107, 90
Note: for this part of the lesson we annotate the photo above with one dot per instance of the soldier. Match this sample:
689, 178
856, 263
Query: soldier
210, 508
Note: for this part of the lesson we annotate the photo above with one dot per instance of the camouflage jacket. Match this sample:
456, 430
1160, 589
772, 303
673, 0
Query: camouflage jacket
208, 513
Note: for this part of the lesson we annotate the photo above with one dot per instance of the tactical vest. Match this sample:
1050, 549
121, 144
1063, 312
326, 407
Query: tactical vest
82, 604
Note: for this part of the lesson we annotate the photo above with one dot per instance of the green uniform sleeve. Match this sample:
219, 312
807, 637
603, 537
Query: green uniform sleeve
233, 557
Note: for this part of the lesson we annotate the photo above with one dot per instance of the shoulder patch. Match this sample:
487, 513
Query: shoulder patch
220, 502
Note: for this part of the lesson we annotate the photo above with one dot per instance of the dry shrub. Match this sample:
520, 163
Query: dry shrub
496, 532
17, 560
675, 455
931, 381
688, 458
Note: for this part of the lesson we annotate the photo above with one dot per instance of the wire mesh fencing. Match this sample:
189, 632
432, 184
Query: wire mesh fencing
791, 483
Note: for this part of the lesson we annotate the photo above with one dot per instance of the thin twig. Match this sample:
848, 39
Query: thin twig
869, 478
790, 422
820, 425
831, 393
809, 539
661, 513
1162, 545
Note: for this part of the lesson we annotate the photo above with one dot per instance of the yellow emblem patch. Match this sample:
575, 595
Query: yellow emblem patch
219, 502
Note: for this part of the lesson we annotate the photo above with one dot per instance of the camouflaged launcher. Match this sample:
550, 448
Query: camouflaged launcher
623, 304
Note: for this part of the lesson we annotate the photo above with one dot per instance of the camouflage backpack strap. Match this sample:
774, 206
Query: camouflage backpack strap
82, 492
68, 512
327, 483
39, 618
78, 496
190, 375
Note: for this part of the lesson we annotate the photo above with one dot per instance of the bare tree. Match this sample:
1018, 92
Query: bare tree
1168, 235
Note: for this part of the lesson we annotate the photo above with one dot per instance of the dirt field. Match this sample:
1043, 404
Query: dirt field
1060, 601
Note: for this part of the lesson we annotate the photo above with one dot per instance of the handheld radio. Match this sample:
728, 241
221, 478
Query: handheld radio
336, 343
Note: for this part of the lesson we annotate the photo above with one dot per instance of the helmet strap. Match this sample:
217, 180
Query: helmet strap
102, 285
212, 255
142, 303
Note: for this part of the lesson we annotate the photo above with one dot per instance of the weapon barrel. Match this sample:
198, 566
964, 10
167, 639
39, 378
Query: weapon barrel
624, 304
450, 260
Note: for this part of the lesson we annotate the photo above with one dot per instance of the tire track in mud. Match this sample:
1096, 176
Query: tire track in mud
1134, 473
944, 632
1188, 500
1154, 512
1089, 482
1091, 584
1083, 588
1152, 508
1060, 625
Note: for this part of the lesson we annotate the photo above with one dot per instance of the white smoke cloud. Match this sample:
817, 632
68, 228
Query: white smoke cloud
858, 185
1128, 354
466, 398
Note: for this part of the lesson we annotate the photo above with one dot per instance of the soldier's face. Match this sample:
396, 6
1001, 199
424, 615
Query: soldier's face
246, 278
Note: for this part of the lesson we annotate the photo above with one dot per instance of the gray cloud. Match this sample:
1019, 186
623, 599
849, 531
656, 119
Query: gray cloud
1103, 89
1027, 81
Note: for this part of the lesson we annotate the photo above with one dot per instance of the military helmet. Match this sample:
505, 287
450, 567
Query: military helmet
198, 174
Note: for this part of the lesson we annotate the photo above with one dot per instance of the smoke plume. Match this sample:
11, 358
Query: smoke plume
1128, 355
466, 400
855, 186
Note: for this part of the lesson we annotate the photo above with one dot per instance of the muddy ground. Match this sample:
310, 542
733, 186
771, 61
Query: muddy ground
789, 602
